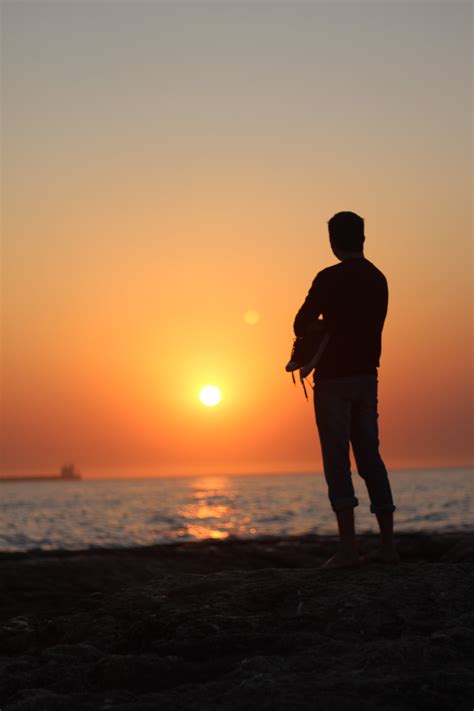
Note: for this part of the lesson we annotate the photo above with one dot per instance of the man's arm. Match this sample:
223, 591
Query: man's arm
311, 309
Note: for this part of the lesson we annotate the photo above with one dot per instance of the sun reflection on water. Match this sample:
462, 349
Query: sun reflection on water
211, 510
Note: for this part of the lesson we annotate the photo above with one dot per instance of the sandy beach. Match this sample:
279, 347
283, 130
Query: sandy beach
238, 624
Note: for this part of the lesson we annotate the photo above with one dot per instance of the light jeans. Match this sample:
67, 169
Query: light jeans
346, 412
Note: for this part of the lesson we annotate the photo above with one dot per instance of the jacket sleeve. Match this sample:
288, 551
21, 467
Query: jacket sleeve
312, 307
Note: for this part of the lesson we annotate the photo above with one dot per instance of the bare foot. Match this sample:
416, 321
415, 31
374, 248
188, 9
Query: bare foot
341, 560
382, 555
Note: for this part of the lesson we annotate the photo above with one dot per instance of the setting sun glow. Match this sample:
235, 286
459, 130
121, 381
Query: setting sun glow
152, 280
210, 395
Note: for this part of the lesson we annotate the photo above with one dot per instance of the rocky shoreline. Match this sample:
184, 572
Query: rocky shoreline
238, 624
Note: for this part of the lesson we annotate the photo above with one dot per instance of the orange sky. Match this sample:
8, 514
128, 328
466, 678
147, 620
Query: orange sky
168, 167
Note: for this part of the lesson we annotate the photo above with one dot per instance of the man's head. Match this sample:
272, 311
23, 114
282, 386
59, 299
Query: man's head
346, 233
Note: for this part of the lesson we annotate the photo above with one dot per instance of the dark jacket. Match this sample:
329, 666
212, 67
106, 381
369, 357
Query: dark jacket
352, 298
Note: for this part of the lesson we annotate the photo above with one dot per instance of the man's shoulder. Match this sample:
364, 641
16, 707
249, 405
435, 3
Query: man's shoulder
376, 271
342, 275
339, 270
328, 272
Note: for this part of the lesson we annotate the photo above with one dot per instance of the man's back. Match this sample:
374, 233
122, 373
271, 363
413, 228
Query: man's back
352, 297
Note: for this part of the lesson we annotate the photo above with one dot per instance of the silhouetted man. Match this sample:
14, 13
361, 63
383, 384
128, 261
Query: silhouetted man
352, 298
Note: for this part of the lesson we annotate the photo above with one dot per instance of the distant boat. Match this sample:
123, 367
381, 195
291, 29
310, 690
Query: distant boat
67, 473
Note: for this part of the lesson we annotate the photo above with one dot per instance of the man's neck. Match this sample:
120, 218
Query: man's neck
350, 255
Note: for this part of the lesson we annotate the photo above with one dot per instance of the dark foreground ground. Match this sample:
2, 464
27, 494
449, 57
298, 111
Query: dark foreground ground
238, 625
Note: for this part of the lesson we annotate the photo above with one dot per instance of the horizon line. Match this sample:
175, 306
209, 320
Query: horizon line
189, 475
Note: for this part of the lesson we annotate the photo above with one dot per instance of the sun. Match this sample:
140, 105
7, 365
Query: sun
210, 395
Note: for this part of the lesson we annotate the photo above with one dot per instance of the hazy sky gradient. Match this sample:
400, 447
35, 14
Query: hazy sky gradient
169, 165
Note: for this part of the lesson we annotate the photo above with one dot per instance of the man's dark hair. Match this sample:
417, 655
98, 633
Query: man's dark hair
346, 231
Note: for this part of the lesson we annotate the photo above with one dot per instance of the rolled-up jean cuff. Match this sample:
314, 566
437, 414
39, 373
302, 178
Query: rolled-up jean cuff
382, 509
342, 504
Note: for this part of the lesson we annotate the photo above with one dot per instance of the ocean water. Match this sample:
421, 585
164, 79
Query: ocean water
126, 512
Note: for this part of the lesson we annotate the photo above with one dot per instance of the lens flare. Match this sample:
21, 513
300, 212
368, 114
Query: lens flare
251, 317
